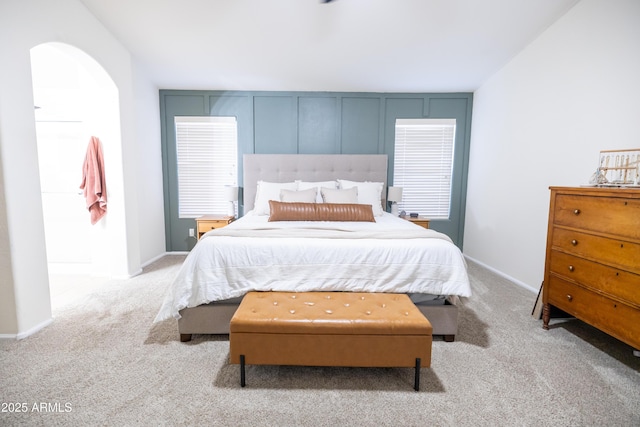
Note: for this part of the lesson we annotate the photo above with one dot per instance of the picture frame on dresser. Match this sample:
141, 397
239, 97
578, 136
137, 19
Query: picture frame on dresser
592, 267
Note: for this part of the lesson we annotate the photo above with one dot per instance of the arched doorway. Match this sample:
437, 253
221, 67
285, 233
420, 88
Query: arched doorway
74, 98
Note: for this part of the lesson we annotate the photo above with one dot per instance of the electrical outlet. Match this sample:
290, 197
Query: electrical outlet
192, 232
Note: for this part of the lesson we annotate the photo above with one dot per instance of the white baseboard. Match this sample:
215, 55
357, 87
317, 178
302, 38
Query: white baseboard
154, 259
162, 255
506, 276
146, 264
28, 333
127, 276
35, 329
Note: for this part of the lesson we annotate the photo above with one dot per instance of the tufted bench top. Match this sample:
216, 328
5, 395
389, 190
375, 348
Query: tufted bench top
329, 313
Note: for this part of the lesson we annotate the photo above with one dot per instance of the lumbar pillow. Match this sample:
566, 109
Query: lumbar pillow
281, 211
266, 191
304, 196
330, 195
369, 193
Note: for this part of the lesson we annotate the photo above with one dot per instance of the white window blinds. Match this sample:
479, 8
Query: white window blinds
423, 165
207, 155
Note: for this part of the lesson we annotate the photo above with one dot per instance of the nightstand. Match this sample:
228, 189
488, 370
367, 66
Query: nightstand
421, 221
209, 222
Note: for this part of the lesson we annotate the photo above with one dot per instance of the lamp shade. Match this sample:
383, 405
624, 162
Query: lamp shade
230, 193
394, 194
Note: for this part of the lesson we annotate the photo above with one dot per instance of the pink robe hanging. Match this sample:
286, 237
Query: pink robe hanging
93, 181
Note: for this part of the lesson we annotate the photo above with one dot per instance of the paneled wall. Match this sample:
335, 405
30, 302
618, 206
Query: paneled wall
313, 123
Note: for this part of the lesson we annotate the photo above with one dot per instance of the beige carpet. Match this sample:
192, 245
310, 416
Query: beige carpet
102, 362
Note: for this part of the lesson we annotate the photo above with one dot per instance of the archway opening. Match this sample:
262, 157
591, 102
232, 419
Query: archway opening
74, 98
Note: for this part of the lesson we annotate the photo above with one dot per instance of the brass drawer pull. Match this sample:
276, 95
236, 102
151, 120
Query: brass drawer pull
576, 211
569, 297
574, 242
571, 268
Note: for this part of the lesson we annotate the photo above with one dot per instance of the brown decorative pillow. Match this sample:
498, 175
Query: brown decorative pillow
281, 211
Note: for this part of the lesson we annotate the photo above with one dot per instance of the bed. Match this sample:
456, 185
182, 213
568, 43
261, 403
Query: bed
386, 254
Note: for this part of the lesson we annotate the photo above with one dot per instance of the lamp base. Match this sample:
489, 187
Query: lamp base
232, 209
394, 209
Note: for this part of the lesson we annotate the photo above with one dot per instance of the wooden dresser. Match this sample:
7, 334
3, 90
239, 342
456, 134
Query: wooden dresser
592, 268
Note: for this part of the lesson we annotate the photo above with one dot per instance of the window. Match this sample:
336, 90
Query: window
423, 165
207, 153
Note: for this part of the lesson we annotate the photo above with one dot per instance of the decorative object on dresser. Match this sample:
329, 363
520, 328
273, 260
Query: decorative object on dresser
211, 222
618, 168
592, 268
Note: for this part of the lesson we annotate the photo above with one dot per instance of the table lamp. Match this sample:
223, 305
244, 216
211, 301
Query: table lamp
231, 195
394, 196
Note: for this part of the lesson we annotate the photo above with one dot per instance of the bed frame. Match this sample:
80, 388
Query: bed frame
214, 318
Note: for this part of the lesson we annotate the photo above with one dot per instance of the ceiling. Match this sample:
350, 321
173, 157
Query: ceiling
343, 45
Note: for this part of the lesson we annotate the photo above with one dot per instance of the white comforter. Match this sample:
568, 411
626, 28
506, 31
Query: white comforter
252, 254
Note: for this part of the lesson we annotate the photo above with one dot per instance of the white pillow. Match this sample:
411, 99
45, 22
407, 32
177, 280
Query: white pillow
332, 195
303, 196
369, 193
266, 191
303, 185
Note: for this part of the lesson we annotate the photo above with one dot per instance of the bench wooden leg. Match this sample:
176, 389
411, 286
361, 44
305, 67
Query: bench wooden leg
242, 381
416, 385
185, 337
449, 338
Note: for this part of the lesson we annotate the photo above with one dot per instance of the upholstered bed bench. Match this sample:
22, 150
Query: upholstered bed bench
330, 329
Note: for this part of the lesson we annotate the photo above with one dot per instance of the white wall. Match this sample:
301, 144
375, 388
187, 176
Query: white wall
541, 121
24, 285
149, 167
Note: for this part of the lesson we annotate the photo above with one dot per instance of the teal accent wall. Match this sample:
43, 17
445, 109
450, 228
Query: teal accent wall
313, 123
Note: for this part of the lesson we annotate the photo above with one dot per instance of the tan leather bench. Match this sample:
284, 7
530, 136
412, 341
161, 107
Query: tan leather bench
330, 329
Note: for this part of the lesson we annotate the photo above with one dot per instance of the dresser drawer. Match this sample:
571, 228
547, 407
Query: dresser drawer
615, 215
204, 226
614, 318
618, 253
211, 222
594, 275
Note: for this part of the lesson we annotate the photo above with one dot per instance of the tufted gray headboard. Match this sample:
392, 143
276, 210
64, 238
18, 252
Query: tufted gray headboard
311, 167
